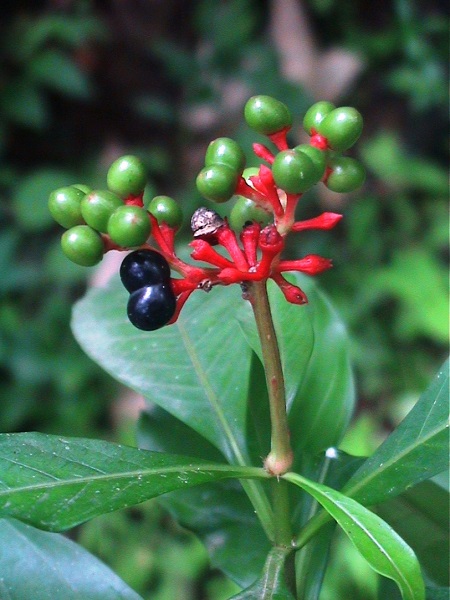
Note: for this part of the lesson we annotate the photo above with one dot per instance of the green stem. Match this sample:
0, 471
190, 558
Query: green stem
280, 457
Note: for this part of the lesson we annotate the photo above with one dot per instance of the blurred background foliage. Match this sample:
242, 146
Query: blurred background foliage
82, 82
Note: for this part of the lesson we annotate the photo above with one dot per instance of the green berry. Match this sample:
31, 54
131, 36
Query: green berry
246, 211
225, 151
129, 226
64, 205
318, 159
217, 182
347, 174
341, 127
127, 176
267, 115
83, 245
98, 206
81, 186
166, 210
293, 172
315, 115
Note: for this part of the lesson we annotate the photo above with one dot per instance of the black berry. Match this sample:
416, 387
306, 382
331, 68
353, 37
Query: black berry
152, 306
143, 267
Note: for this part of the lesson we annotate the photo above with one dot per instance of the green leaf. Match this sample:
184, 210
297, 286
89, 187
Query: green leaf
421, 516
414, 452
37, 565
23, 103
57, 483
315, 357
185, 368
58, 72
220, 514
272, 584
30, 197
380, 545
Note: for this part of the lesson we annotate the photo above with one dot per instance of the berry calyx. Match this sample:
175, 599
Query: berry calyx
166, 210
152, 306
225, 151
64, 205
143, 267
245, 211
318, 159
293, 172
129, 226
127, 176
217, 182
315, 115
97, 206
341, 127
83, 245
267, 115
347, 174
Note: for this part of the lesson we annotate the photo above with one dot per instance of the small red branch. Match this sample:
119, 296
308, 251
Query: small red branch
326, 220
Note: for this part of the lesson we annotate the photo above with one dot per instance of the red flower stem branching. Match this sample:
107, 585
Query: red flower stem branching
135, 200
246, 190
312, 264
291, 292
263, 152
203, 251
269, 188
279, 138
249, 239
227, 238
326, 220
318, 141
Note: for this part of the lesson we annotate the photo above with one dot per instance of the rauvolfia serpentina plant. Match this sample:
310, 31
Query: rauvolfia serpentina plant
245, 366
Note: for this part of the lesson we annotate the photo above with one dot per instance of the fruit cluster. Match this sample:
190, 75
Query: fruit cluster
265, 200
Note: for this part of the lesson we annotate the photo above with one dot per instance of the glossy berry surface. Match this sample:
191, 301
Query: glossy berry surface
151, 307
225, 151
143, 267
166, 210
315, 115
317, 157
293, 171
341, 127
82, 245
81, 186
246, 211
267, 115
64, 205
97, 206
217, 183
347, 174
127, 176
129, 226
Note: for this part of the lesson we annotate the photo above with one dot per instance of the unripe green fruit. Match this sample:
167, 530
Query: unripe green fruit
81, 186
293, 171
98, 206
83, 245
347, 174
341, 127
166, 210
318, 159
64, 205
127, 176
315, 115
246, 211
267, 115
217, 183
225, 151
129, 226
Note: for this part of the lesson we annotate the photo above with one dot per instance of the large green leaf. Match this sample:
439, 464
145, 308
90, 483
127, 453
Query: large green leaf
315, 357
37, 565
57, 483
421, 516
219, 513
271, 585
414, 452
196, 370
380, 545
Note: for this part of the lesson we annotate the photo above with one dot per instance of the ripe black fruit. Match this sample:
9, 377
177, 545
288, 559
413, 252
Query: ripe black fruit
142, 268
152, 306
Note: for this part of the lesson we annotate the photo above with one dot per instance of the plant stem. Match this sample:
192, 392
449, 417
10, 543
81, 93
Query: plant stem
280, 457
